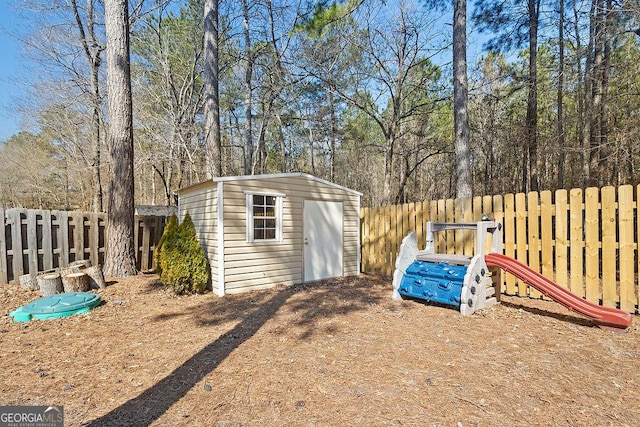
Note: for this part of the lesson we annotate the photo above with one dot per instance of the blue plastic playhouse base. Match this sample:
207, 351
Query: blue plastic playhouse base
438, 282
56, 306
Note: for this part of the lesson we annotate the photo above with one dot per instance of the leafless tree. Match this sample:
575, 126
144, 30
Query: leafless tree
120, 257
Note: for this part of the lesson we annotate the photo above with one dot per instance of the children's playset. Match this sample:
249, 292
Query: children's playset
465, 282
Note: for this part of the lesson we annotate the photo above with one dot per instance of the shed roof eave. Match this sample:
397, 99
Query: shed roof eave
267, 176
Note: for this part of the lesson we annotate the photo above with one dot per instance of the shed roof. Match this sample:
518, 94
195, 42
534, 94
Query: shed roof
154, 210
269, 176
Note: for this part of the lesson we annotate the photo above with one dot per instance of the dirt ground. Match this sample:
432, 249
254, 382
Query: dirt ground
335, 353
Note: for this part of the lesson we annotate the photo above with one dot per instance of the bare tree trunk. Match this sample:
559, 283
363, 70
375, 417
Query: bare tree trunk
211, 90
532, 98
120, 258
388, 168
92, 51
588, 98
595, 132
560, 97
283, 146
460, 100
333, 136
248, 74
606, 174
260, 165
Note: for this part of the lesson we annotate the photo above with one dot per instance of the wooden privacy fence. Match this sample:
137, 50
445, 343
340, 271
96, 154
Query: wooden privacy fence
584, 240
38, 240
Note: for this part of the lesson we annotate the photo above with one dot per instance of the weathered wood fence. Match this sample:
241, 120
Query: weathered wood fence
38, 240
584, 240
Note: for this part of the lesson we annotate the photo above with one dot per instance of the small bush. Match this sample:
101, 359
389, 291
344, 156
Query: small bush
183, 263
170, 227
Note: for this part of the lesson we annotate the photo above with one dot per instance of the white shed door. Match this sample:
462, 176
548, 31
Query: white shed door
322, 240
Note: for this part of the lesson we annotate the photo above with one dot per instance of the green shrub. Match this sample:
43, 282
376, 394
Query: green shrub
171, 227
183, 263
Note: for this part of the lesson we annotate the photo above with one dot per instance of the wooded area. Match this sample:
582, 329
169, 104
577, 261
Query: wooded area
584, 240
356, 92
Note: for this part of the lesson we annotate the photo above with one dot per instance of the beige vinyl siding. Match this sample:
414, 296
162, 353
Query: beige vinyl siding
260, 264
256, 265
202, 204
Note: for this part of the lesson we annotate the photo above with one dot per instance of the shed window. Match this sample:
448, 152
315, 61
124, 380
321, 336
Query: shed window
264, 217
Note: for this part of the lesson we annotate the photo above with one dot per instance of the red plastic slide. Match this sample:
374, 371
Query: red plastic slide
603, 316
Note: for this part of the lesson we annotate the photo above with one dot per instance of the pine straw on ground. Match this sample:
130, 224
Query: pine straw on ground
334, 353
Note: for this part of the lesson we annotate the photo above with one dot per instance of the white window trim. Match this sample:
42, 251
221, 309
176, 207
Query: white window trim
249, 215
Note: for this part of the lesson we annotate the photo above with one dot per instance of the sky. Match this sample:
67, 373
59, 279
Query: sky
9, 70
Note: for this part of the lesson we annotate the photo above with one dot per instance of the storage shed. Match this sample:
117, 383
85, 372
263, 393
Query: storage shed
263, 230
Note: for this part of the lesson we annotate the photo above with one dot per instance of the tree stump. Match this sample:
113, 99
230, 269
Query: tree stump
76, 282
50, 284
80, 264
73, 267
96, 278
28, 282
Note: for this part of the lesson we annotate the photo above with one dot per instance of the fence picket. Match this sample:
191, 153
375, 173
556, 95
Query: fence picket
521, 236
458, 216
467, 216
15, 218
609, 294
94, 237
387, 243
364, 236
533, 215
510, 238
419, 215
592, 244
546, 233
47, 244
3, 248
562, 240
628, 283
439, 242
449, 213
78, 235
577, 244
32, 241
63, 219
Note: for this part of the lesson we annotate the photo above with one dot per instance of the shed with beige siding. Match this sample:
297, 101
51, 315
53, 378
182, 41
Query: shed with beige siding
263, 230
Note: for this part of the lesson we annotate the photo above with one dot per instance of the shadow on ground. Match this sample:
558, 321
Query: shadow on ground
310, 302
569, 318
